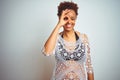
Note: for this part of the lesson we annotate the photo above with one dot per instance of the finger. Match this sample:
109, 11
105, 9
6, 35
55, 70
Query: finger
66, 17
66, 11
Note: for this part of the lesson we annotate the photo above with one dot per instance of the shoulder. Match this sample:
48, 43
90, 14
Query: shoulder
78, 33
83, 36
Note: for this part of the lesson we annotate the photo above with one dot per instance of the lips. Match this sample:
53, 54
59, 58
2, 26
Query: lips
69, 25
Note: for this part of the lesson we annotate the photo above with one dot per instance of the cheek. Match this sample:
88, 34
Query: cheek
73, 22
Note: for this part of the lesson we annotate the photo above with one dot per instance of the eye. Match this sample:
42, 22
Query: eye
72, 18
65, 18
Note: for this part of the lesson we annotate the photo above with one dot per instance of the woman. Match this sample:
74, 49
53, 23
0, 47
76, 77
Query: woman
71, 48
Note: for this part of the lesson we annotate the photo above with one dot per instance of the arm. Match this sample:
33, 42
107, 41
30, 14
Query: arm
89, 67
51, 42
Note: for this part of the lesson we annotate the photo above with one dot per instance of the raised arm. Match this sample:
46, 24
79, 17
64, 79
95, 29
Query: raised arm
89, 66
51, 42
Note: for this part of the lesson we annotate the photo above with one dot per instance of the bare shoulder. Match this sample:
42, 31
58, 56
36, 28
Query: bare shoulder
78, 33
82, 35
85, 36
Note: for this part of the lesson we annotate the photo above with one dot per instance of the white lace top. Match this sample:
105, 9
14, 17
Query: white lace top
73, 60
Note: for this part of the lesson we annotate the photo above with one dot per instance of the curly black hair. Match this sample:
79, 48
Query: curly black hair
67, 5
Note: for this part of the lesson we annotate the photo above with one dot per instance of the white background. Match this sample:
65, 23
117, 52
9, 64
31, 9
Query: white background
26, 24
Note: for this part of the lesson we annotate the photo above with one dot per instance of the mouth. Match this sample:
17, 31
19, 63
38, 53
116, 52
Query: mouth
68, 25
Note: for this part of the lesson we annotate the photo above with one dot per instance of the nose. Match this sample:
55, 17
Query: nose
69, 20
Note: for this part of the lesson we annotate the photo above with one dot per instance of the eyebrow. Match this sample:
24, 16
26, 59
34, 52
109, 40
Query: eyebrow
74, 17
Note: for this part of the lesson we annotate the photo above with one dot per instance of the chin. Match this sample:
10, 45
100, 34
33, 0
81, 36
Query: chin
68, 29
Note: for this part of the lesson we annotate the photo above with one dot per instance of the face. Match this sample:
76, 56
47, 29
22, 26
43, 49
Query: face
70, 21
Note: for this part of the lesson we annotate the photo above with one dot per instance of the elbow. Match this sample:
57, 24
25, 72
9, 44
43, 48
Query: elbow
47, 52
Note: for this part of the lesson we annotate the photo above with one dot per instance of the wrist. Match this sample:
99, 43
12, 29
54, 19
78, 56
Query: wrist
59, 25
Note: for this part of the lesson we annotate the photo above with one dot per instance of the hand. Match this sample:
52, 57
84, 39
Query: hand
64, 17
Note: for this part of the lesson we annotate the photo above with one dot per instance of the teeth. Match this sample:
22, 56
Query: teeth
69, 25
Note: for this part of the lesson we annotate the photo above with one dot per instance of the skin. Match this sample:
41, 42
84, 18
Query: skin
68, 32
68, 25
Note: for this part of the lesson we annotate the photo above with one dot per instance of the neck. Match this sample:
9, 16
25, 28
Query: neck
68, 34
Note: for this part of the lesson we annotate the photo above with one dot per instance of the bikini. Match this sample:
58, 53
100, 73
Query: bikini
75, 55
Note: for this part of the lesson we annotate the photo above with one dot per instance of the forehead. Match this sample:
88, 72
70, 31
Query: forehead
72, 13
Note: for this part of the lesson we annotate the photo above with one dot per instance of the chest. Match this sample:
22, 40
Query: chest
67, 51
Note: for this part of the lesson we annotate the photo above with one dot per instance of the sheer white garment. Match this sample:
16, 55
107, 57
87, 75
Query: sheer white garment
73, 60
